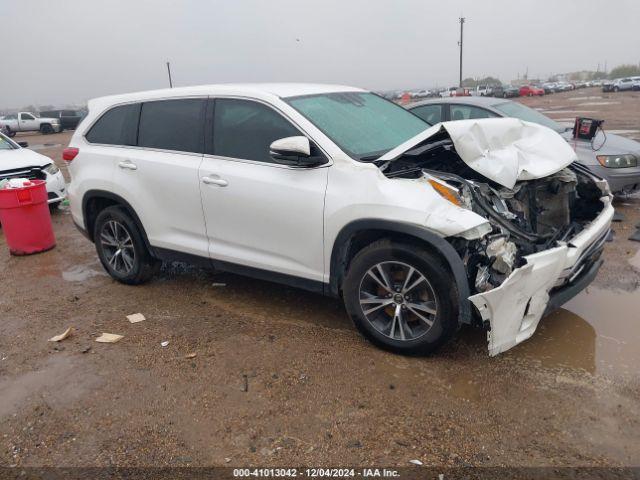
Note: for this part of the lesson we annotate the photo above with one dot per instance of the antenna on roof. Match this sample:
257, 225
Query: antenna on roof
169, 72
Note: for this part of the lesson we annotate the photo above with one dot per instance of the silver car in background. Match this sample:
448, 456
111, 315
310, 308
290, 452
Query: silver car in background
616, 159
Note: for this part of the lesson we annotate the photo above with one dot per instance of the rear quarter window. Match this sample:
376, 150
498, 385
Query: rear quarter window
118, 126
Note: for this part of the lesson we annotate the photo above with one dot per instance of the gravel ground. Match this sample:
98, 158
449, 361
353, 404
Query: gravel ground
281, 378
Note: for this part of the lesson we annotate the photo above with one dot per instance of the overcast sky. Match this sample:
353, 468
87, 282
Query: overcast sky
57, 52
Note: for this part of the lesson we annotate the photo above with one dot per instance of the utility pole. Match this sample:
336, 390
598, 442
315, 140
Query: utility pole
169, 72
460, 44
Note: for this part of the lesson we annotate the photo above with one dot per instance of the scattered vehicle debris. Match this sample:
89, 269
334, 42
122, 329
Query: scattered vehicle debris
416, 462
109, 338
164, 343
245, 383
136, 318
62, 336
191, 355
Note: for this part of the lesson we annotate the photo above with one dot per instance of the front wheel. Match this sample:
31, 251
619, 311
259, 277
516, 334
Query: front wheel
401, 297
9, 133
121, 248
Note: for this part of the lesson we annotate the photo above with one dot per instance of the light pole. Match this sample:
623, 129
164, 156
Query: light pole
460, 44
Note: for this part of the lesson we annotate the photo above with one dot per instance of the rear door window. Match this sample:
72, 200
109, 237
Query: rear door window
466, 112
245, 129
118, 126
173, 125
429, 113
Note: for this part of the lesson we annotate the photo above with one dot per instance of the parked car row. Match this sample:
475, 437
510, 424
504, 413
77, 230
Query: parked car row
53, 121
621, 84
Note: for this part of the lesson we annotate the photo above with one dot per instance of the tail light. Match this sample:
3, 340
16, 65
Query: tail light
69, 153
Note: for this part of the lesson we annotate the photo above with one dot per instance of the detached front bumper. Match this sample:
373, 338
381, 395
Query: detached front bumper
56, 188
547, 280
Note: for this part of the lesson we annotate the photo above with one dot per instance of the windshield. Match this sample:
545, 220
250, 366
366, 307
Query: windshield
517, 110
362, 124
5, 143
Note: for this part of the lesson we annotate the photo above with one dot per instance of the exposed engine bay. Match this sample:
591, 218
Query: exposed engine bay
533, 216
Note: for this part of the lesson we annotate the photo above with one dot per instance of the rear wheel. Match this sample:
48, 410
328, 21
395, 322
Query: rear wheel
46, 129
121, 248
401, 297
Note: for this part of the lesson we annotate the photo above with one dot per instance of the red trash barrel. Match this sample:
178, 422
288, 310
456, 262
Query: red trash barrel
25, 218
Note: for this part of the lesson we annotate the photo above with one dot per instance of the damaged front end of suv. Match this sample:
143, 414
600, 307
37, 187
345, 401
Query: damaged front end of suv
547, 217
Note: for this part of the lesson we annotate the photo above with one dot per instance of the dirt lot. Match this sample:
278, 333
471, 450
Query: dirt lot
281, 378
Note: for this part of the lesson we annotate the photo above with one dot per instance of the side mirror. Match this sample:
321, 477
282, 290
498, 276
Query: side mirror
23, 144
295, 151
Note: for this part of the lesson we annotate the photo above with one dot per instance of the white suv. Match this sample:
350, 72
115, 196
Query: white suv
336, 190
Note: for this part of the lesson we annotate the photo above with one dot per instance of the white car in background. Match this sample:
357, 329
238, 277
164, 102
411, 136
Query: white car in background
334, 189
16, 161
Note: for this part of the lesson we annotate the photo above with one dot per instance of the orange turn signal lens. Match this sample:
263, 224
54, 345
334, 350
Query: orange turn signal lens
446, 192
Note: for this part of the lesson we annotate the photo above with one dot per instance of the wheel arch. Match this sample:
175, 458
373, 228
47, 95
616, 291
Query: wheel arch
355, 235
94, 201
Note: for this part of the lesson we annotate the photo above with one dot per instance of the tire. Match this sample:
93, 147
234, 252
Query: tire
115, 231
616, 89
377, 326
9, 133
46, 129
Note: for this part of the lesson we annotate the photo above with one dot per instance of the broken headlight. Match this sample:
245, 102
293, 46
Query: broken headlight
51, 169
618, 161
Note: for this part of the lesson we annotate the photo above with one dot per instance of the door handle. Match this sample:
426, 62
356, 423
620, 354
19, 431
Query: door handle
128, 164
214, 181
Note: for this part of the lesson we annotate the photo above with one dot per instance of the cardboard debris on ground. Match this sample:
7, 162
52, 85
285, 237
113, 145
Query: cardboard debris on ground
62, 336
109, 338
136, 317
191, 355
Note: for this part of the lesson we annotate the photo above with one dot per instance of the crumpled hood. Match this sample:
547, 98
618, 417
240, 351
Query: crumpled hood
21, 157
504, 150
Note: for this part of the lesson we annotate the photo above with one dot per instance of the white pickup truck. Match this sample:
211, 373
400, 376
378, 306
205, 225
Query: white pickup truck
28, 122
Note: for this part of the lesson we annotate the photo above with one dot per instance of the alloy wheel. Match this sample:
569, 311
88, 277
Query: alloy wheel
117, 246
398, 300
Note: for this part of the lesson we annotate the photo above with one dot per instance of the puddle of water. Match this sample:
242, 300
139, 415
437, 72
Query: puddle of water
42, 146
597, 331
59, 381
81, 273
